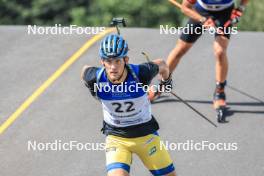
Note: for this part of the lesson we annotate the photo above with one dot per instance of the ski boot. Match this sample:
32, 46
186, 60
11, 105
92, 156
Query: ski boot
220, 102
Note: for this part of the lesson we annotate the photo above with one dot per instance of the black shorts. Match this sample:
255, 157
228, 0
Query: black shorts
220, 16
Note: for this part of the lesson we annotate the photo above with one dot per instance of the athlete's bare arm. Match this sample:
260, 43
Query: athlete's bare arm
163, 68
187, 9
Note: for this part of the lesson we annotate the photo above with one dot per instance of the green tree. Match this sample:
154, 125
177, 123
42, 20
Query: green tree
253, 19
138, 13
147, 13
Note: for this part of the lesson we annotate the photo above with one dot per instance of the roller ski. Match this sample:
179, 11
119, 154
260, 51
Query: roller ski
220, 102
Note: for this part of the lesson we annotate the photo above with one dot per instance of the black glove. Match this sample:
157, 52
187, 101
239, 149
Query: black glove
236, 15
166, 85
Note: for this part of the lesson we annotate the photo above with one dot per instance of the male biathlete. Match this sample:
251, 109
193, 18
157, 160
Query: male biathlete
128, 123
208, 13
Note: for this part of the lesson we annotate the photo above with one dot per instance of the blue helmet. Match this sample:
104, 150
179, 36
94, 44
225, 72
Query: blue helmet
113, 46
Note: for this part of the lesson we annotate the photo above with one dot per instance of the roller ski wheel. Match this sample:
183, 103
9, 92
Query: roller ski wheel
153, 93
221, 114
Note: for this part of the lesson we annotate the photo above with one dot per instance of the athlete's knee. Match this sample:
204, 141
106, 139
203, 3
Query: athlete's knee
220, 52
220, 47
118, 169
182, 47
117, 172
173, 173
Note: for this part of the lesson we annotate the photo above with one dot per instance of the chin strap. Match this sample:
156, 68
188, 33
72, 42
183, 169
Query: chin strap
129, 68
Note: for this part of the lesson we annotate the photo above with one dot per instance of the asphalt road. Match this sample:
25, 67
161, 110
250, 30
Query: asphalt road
67, 112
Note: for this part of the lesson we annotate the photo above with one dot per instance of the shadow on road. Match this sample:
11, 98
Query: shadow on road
230, 111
